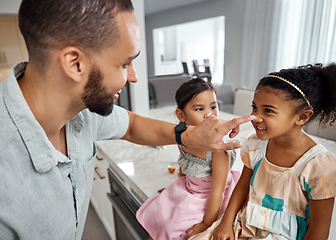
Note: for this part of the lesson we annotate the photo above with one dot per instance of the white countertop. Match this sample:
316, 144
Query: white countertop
144, 169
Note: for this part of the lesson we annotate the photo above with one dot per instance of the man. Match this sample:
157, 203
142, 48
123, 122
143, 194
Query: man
55, 107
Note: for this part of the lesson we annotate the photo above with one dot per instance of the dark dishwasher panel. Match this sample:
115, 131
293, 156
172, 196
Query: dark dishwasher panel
124, 208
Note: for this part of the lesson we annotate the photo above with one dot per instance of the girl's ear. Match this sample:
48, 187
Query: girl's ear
180, 115
304, 116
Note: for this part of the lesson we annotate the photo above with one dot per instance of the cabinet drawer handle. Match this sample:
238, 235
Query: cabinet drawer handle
99, 159
100, 176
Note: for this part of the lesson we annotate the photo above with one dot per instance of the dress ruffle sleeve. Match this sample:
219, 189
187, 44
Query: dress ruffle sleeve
318, 177
250, 151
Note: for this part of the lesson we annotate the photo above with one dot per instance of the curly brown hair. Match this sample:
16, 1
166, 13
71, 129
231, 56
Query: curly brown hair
317, 82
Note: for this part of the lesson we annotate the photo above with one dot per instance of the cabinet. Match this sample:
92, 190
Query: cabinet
99, 199
12, 46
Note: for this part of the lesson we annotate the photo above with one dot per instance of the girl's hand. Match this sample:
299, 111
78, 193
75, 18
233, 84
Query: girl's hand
222, 232
197, 228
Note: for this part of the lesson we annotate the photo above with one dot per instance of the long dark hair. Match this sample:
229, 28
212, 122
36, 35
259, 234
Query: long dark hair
190, 89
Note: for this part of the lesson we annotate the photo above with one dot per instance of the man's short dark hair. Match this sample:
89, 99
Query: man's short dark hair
54, 24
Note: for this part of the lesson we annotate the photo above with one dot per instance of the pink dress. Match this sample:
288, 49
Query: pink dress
183, 203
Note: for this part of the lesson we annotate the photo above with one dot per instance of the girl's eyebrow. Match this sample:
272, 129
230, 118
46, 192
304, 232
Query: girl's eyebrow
201, 105
270, 106
198, 105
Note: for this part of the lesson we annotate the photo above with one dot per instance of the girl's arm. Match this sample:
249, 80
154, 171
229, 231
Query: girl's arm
180, 173
238, 198
220, 169
320, 213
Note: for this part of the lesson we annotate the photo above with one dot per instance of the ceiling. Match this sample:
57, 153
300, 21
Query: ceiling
153, 6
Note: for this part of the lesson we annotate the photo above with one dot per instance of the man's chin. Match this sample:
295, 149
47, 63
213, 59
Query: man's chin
102, 111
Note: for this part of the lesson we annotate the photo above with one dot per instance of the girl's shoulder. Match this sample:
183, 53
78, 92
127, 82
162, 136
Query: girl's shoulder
252, 142
318, 173
195, 154
253, 149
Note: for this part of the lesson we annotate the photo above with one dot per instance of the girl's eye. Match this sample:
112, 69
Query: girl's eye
213, 107
254, 107
267, 110
198, 109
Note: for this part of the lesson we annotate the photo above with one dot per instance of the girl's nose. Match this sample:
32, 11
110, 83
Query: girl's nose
257, 118
207, 115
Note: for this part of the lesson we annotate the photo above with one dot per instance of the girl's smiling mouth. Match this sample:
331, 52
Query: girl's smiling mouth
259, 129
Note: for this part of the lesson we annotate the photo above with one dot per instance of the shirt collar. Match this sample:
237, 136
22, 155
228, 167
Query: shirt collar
42, 153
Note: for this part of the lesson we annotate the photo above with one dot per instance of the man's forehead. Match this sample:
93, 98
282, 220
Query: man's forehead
129, 33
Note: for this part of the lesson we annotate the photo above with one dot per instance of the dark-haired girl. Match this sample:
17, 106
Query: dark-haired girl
287, 187
199, 197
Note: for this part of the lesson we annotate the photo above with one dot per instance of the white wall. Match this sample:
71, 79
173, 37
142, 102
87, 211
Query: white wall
9, 6
233, 10
139, 91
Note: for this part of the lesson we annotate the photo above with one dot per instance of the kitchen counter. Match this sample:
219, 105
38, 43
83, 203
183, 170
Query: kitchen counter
144, 169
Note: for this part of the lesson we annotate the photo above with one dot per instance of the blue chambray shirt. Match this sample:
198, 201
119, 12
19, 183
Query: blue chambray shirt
44, 194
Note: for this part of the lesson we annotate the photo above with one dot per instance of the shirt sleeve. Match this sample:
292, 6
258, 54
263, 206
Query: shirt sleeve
6, 232
114, 126
318, 177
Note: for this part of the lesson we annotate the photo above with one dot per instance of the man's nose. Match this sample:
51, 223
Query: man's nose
131, 74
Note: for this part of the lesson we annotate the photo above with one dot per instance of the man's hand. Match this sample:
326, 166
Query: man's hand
208, 135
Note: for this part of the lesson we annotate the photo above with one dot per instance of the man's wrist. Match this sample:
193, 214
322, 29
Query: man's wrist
179, 130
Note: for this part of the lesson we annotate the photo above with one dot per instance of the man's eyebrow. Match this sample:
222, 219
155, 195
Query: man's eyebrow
131, 58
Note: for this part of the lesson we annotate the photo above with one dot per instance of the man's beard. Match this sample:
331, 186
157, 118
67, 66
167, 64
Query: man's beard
95, 96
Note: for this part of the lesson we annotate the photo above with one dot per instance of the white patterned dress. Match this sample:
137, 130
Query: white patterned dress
277, 206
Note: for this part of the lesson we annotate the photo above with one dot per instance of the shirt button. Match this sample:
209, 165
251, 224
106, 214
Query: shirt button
263, 212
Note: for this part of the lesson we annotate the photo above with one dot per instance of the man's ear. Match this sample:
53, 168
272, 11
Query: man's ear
73, 62
180, 115
304, 116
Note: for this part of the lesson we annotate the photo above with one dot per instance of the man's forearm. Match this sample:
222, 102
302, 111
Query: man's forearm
207, 135
147, 131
